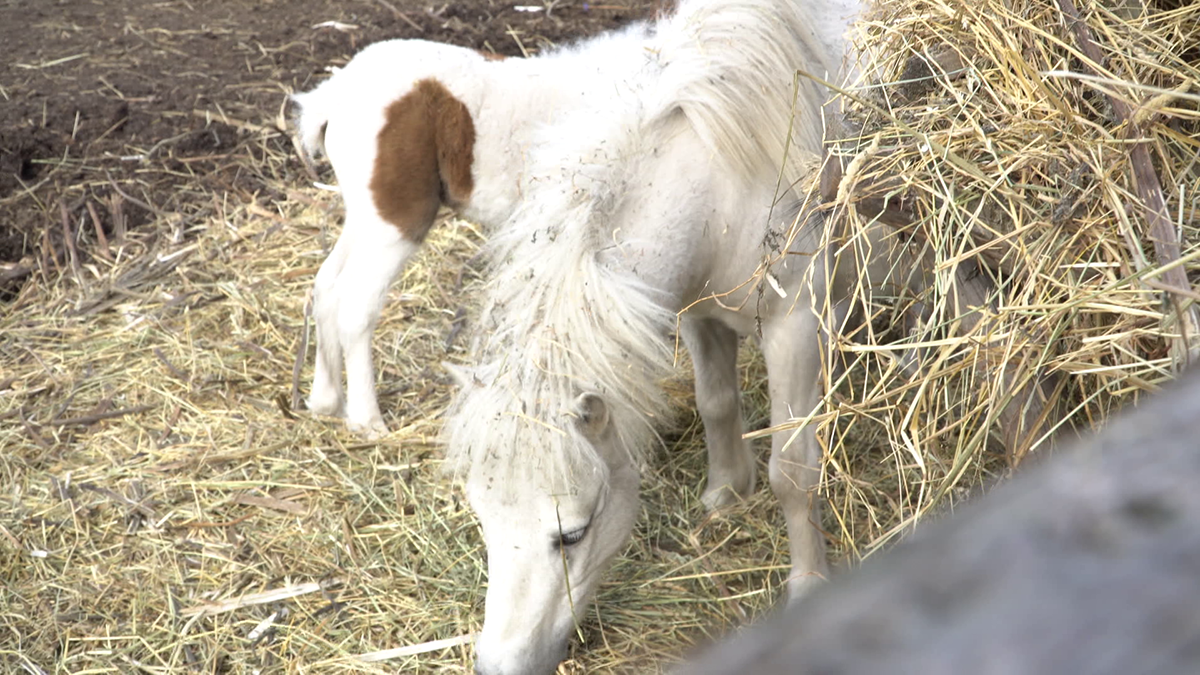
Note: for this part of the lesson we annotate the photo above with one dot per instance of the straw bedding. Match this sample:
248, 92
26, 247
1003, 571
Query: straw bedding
167, 506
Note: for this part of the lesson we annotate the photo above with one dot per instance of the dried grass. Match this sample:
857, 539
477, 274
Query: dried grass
1008, 165
165, 508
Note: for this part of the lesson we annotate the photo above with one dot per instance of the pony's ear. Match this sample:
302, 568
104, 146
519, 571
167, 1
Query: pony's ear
592, 412
462, 375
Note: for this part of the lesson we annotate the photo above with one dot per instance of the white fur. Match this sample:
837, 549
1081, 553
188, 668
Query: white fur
625, 179
650, 200
509, 101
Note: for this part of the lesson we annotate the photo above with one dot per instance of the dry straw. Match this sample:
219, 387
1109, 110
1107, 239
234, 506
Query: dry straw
167, 509
1033, 168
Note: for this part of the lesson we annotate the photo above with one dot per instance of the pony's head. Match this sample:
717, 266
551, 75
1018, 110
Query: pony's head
556, 502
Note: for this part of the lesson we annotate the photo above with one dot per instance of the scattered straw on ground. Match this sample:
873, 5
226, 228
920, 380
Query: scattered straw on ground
166, 508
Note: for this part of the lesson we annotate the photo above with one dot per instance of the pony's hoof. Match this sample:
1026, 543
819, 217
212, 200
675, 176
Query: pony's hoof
324, 404
372, 430
728, 488
800, 585
718, 498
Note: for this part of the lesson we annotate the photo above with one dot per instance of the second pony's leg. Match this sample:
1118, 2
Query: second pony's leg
377, 251
731, 469
791, 351
326, 395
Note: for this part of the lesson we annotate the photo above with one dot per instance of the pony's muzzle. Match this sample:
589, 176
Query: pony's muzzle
519, 660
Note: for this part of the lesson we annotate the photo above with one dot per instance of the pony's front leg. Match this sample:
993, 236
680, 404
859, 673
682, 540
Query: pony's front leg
731, 469
377, 254
791, 351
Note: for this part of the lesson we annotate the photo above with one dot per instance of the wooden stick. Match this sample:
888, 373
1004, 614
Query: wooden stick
301, 355
88, 420
412, 650
116, 208
401, 15
179, 374
69, 241
1149, 191
14, 271
101, 239
265, 597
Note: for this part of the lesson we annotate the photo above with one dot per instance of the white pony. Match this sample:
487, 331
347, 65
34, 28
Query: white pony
628, 179
409, 125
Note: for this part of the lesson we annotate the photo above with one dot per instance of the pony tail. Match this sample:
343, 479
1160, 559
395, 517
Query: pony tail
310, 120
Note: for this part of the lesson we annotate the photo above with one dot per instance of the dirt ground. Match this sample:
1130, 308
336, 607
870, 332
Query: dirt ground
113, 112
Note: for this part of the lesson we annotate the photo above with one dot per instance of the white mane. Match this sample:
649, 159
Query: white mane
561, 319
560, 322
731, 69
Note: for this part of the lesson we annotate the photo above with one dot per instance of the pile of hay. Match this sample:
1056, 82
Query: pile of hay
167, 509
1045, 173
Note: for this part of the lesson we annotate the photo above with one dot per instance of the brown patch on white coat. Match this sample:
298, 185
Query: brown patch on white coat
424, 158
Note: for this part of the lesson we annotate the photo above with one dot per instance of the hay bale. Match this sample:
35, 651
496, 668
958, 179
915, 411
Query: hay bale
1040, 175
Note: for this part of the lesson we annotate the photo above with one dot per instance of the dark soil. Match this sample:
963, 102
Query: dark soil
116, 113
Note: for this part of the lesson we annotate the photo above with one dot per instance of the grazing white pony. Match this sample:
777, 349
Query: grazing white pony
627, 179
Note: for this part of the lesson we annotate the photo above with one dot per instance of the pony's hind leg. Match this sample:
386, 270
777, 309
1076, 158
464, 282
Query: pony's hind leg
326, 395
731, 468
377, 252
791, 351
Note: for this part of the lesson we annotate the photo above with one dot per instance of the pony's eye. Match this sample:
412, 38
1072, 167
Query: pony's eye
571, 538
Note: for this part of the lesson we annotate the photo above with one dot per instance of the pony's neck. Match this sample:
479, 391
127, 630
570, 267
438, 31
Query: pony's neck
515, 98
